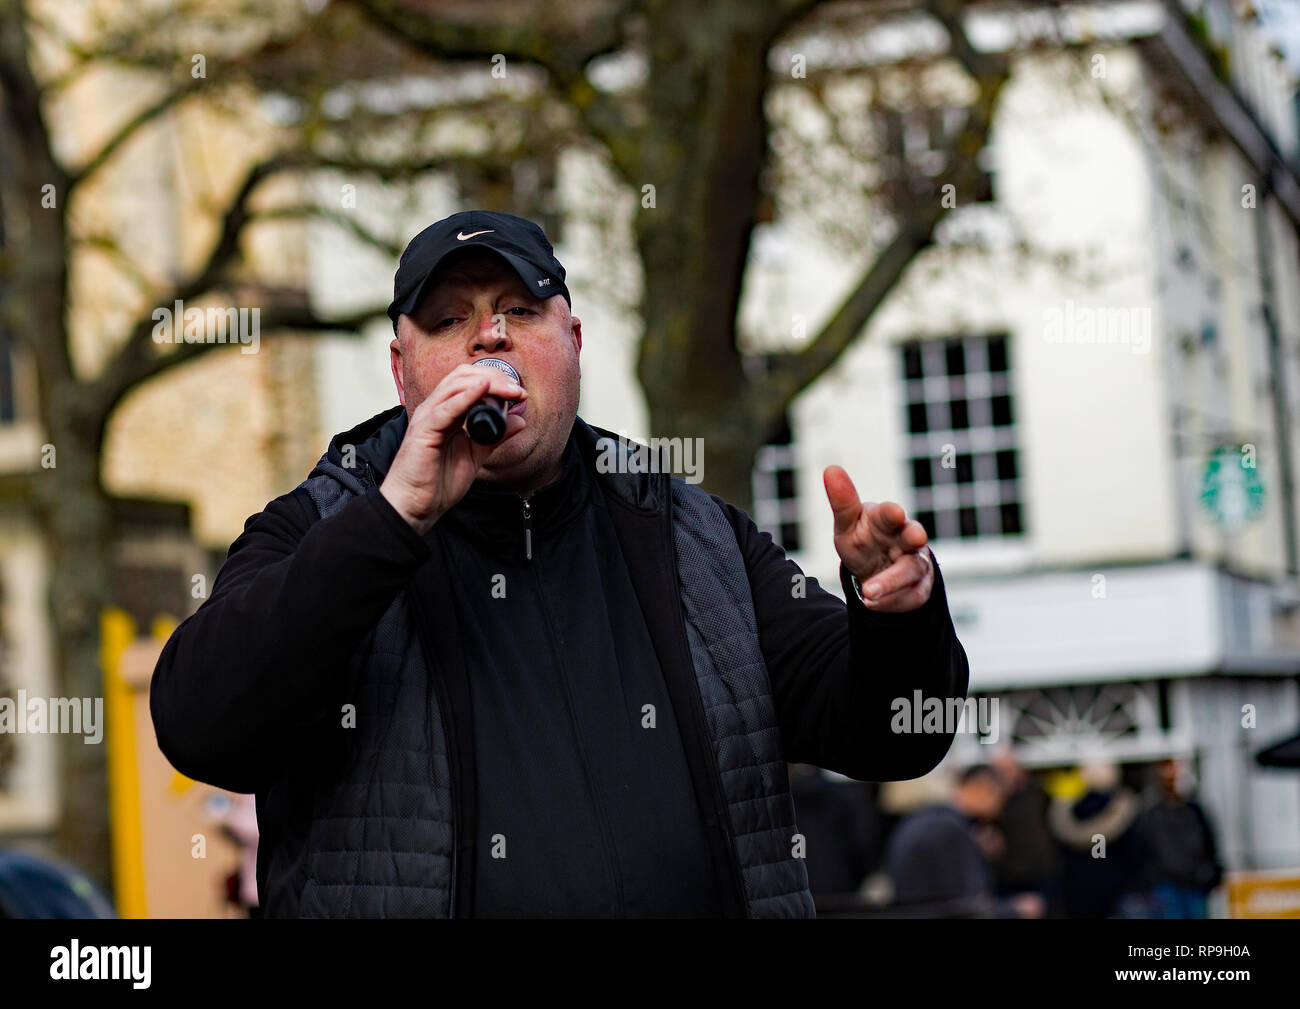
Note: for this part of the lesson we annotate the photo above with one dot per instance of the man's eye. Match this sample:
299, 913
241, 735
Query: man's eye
444, 322
521, 308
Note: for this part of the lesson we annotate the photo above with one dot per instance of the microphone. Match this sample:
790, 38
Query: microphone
486, 421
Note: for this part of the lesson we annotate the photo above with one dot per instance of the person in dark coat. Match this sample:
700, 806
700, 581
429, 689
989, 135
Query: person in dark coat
1184, 856
1103, 857
938, 858
842, 829
1030, 860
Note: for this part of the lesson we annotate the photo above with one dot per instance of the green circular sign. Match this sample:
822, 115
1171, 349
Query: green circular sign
1231, 490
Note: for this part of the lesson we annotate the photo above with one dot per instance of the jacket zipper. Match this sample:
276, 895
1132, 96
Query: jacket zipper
453, 768
528, 529
610, 855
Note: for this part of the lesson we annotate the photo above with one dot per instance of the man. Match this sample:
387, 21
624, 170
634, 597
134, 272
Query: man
1184, 856
472, 680
938, 860
1029, 861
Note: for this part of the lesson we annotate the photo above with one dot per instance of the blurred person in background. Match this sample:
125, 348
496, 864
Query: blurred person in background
1103, 857
1184, 861
939, 858
1030, 861
236, 815
842, 829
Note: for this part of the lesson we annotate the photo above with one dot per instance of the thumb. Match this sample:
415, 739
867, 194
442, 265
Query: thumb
843, 496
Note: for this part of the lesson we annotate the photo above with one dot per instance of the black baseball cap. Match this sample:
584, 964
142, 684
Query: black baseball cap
518, 241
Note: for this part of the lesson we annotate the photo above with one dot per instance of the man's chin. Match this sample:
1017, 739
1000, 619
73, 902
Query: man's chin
524, 462
513, 465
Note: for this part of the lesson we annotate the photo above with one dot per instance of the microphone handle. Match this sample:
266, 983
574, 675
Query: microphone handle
486, 421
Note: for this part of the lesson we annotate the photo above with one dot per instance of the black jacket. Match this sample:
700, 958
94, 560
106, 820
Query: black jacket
311, 614
932, 859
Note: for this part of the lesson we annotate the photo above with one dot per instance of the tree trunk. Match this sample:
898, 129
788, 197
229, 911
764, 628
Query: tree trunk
78, 522
705, 106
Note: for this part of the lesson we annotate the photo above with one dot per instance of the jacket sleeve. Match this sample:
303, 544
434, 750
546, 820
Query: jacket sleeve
265, 657
837, 668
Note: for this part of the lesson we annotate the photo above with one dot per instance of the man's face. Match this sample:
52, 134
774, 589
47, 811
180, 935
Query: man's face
982, 797
477, 307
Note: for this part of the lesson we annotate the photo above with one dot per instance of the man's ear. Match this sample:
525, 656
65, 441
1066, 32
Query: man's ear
577, 332
395, 361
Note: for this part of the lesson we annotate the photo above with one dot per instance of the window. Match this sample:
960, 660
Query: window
776, 499
961, 438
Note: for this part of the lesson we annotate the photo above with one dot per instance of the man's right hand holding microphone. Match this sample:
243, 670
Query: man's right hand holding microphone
437, 462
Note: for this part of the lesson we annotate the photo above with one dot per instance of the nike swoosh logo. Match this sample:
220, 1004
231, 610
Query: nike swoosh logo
461, 236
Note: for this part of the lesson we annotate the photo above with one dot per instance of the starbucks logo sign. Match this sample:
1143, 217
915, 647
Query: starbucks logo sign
1231, 490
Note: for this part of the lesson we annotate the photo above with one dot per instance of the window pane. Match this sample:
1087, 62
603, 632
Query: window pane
998, 354
916, 419
1001, 411
912, 361
1007, 464
927, 521
965, 468
969, 527
785, 484
790, 535
960, 414
954, 353
921, 473
1011, 519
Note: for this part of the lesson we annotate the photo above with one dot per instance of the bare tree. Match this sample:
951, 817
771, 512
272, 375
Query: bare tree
696, 126
302, 58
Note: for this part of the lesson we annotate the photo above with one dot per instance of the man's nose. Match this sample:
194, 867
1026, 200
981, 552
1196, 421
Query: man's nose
491, 334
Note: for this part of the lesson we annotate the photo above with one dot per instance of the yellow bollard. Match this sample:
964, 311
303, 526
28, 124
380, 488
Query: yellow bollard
117, 631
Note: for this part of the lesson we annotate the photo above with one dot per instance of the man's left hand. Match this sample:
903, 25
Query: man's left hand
880, 546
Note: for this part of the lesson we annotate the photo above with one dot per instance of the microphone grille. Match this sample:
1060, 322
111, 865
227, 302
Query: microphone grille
499, 365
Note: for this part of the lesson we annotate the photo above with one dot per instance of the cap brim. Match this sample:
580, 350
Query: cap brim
541, 285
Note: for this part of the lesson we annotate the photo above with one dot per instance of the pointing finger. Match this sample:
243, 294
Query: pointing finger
843, 496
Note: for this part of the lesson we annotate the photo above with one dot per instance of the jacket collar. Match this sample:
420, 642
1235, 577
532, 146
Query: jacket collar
510, 523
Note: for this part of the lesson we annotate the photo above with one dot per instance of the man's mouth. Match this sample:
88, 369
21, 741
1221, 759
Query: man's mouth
518, 408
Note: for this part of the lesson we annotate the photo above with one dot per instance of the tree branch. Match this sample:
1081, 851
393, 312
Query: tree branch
290, 316
135, 360
564, 62
792, 373
350, 224
108, 245
128, 129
